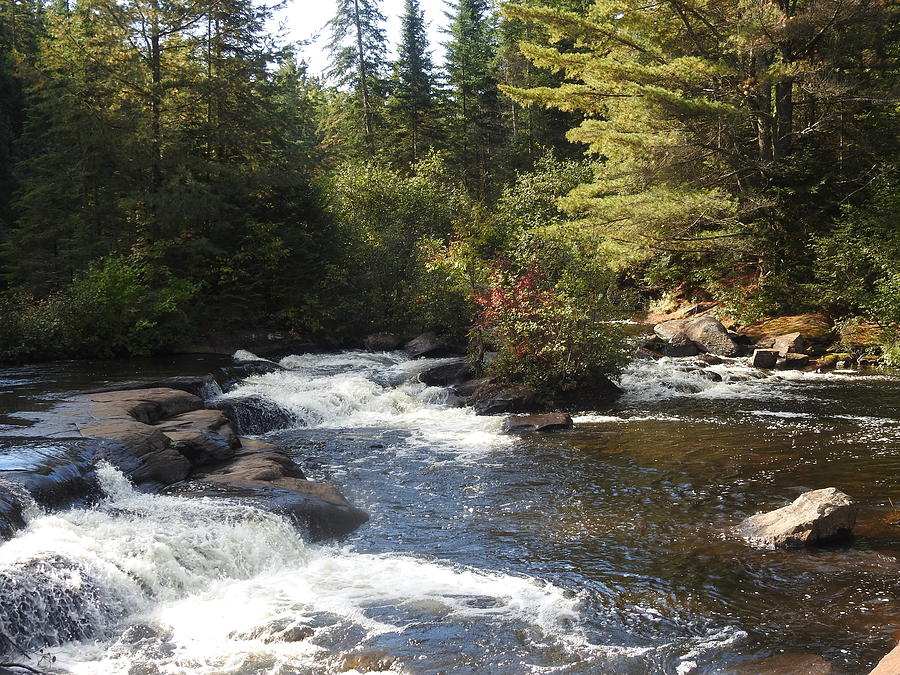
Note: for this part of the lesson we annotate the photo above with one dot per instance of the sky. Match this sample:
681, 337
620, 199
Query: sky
306, 19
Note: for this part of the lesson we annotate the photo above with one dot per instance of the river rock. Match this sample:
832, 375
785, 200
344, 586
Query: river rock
430, 345
142, 452
542, 422
890, 664
11, 519
55, 474
792, 343
793, 361
202, 386
706, 332
815, 328
764, 358
383, 342
816, 517
496, 398
274, 482
469, 387
202, 436
252, 415
709, 360
679, 347
446, 374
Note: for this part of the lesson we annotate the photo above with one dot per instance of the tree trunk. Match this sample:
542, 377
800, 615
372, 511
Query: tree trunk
784, 118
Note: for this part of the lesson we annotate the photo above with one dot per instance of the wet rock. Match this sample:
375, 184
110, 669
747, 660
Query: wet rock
706, 332
816, 517
679, 347
54, 474
466, 389
430, 345
793, 362
11, 519
764, 358
787, 664
890, 664
593, 393
148, 406
792, 343
280, 630
369, 662
646, 353
202, 436
252, 415
542, 422
272, 481
495, 398
203, 386
709, 360
383, 342
446, 374
228, 376
142, 452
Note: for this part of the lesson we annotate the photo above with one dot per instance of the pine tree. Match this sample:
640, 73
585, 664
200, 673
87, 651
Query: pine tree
358, 51
691, 105
413, 101
475, 132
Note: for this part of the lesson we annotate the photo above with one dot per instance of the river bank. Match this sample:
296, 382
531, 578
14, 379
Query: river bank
597, 548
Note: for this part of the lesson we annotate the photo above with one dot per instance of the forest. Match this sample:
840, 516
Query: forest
170, 167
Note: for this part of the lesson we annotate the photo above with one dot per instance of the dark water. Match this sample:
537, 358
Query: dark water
600, 550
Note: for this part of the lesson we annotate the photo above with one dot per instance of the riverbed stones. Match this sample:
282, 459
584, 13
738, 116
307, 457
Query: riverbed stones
764, 358
518, 424
704, 331
815, 517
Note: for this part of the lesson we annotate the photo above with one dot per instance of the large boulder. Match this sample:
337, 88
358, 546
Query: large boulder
383, 342
704, 331
446, 374
430, 345
815, 328
542, 422
816, 517
202, 436
678, 347
791, 343
495, 398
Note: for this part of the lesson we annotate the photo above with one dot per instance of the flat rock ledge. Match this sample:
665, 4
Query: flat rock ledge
165, 439
816, 517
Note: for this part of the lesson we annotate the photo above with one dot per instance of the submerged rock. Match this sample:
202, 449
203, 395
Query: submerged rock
541, 422
11, 519
816, 517
252, 415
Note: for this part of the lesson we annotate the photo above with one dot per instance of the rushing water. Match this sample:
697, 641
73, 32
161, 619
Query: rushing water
600, 550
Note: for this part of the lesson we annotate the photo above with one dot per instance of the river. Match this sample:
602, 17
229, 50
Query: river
604, 549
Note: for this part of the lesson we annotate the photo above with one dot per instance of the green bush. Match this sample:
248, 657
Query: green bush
118, 306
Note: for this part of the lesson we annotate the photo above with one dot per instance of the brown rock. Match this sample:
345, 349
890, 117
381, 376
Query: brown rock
543, 422
764, 358
890, 664
495, 398
815, 517
140, 451
793, 362
812, 327
792, 343
144, 405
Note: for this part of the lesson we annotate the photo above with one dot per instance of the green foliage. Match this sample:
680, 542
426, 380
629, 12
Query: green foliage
545, 313
118, 306
387, 222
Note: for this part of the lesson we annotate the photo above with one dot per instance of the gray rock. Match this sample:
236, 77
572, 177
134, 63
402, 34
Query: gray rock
793, 361
790, 343
707, 333
383, 342
816, 517
495, 398
544, 422
11, 518
430, 345
764, 358
446, 374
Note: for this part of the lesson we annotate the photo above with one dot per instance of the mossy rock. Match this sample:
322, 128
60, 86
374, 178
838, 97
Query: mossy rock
812, 327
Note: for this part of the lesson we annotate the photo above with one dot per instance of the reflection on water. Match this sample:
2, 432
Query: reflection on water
600, 550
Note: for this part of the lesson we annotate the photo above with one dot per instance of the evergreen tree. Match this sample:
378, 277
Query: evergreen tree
475, 133
359, 51
693, 106
413, 104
